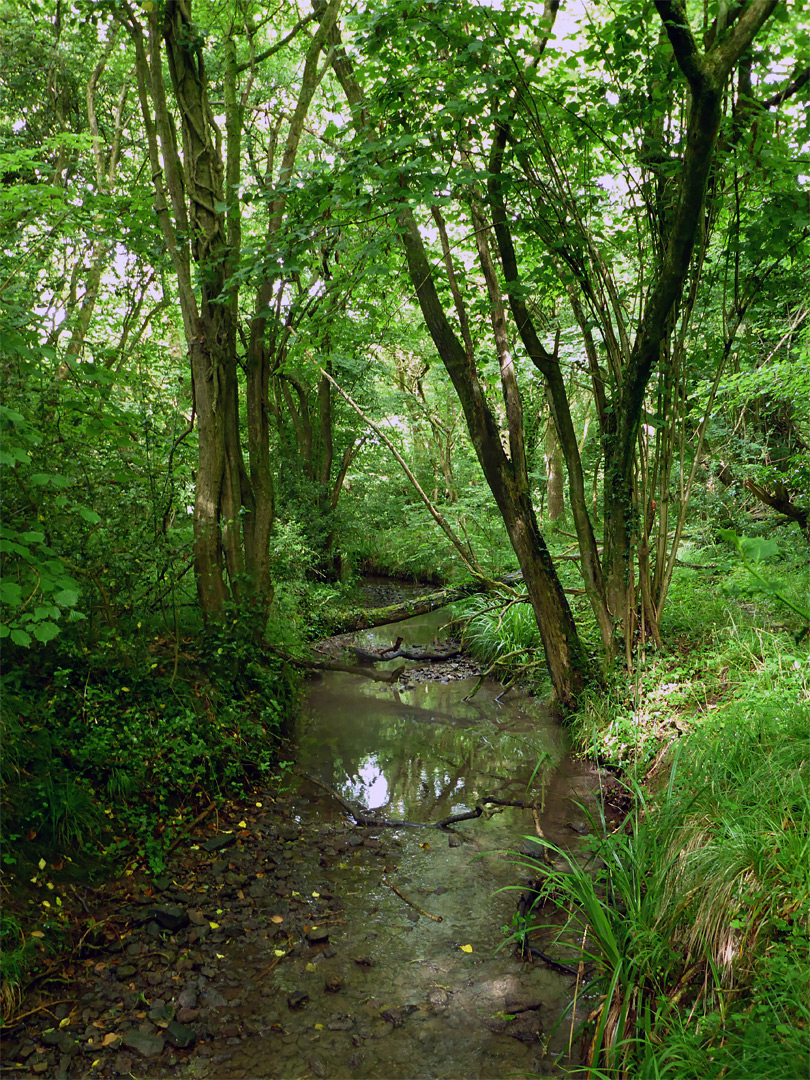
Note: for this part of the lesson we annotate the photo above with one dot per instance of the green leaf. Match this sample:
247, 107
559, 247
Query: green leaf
67, 598
44, 631
89, 515
34, 536
758, 548
20, 637
10, 593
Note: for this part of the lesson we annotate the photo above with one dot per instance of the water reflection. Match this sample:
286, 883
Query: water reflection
425, 752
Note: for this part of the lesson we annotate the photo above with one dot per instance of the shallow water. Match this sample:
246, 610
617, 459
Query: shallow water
420, 996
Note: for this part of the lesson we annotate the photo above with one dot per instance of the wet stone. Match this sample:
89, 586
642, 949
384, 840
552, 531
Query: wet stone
317, 1065
187, 998
143, 1043
125, 970
170, 917
161, 1014
180, 1036
317, 934
52, 1037
341, 1023
297, 999
333, 984
217, 843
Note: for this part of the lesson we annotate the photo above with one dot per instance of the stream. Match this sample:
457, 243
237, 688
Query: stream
284, 941
419, 997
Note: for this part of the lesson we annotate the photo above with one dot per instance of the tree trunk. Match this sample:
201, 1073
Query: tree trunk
555, 479
506, 477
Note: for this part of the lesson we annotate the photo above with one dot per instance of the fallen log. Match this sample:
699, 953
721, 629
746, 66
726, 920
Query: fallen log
367, 619
378, 656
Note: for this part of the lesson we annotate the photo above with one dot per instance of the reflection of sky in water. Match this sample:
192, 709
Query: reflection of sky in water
368, 786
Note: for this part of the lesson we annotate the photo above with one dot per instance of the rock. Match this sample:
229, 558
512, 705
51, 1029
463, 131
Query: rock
213, 999
147, 1046
399, 1015
123, 1064
161, 883
218, 843
317, 1065
364, 961
438, 997
219, 866
170, 917
297, 999
51, 1037
39, 1067
161, 1014
187, 998
341, 1023
454, 841
124, 971
180, 1036
333, 984
187, 1016
67, 1044
317, 934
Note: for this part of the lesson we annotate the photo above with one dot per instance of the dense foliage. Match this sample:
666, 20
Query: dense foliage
442, 291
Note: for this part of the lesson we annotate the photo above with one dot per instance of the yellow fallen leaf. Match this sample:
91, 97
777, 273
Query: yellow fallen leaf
64, 1022
41, 864
45, 903
96, 1063
242, 825
219, 955
319, 1027
316, 894
425, 846
110, 1037
277, 918
311, 967
258, 804
36, 933
213, 925
466, 948
279, 952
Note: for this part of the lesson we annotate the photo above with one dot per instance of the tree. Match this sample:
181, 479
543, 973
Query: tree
502, 151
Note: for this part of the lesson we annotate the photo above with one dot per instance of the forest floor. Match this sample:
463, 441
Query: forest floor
178, 974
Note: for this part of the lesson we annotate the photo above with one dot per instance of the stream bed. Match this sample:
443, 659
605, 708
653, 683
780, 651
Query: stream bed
285, 941
392, 992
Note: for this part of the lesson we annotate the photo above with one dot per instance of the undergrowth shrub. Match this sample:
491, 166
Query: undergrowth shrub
502, 635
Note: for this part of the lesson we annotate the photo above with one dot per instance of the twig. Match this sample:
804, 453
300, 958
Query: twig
269, 968
40, 1008
181, 836
402, 896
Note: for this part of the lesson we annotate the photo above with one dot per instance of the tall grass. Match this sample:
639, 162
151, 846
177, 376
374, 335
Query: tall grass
696, 907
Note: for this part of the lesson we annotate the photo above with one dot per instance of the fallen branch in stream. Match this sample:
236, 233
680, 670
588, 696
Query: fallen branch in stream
352, 669
365, 820
370, 656
402, 896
